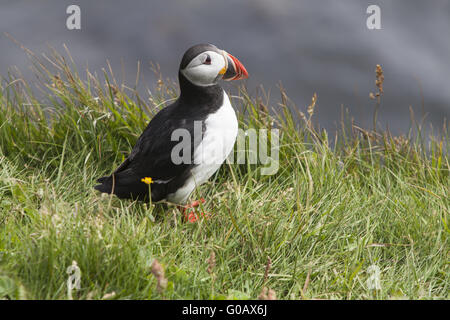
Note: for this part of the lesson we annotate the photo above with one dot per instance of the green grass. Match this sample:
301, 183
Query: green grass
330, 212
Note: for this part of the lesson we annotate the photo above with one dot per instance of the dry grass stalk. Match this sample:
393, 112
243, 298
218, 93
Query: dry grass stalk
211, 262
266, 272
271, 295
310, 111
400, 143
379, 79
312, 105
372, 135
158, 272
302, 115
57, 82
306, 285
109, 295
267, 294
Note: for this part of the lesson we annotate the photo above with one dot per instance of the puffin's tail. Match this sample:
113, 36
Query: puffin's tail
123, 186
106, 184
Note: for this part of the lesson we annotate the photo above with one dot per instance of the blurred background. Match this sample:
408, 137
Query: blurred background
307, 45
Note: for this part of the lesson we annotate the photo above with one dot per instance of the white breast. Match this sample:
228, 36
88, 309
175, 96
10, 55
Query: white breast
220, 134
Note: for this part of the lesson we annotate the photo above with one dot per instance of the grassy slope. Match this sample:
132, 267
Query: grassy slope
323, 219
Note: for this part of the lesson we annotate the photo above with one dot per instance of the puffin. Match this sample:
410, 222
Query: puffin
186, 142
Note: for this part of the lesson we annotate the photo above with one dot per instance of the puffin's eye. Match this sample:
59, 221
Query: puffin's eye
207, 60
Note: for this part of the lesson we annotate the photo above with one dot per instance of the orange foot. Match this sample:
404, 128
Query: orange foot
189, 212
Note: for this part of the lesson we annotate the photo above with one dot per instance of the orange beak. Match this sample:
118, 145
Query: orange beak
234, 69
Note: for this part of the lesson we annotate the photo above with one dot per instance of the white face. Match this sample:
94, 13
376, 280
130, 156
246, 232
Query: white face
206, 68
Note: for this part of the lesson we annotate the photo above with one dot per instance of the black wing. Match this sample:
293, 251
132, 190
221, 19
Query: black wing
151, 157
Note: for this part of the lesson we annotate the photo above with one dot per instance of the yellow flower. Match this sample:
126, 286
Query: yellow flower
147, 180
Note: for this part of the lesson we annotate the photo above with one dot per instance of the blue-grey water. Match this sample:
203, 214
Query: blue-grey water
307, 45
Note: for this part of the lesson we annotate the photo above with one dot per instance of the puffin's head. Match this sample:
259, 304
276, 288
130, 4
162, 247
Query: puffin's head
205, 64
